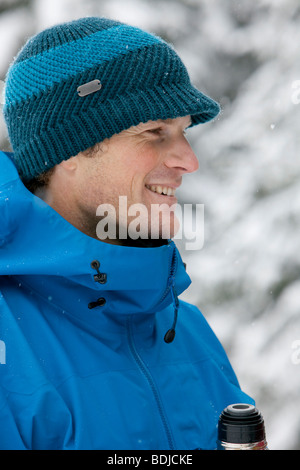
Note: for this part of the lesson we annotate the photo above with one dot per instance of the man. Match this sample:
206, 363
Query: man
97, 110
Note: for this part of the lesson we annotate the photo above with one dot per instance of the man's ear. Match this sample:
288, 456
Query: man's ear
69, 165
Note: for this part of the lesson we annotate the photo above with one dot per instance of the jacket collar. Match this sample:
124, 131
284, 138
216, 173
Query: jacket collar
36, 242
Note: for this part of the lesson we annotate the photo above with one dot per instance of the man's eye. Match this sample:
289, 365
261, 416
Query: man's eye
156, 130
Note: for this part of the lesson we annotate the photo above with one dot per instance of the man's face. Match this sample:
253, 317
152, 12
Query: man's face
145, 165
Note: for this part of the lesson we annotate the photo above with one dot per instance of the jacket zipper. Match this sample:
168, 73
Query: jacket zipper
147, 374
141, 364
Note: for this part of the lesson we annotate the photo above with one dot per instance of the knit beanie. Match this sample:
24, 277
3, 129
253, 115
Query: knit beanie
79, 82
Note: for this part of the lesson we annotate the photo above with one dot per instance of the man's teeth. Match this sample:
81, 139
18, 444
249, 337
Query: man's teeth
162, 190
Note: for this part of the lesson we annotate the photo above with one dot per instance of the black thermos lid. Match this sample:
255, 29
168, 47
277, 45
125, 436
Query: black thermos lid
241, 424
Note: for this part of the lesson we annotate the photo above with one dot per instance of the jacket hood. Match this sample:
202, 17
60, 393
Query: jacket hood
35, 241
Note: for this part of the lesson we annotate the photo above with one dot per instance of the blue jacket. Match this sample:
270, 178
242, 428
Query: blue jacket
78, 373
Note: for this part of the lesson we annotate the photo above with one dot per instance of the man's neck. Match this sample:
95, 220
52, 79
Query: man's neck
84, 223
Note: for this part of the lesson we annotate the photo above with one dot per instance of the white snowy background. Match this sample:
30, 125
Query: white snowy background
246, 278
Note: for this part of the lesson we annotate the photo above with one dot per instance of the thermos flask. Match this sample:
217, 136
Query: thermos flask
241, 427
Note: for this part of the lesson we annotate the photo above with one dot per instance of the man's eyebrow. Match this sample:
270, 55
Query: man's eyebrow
188, 124
142, 126
169, 122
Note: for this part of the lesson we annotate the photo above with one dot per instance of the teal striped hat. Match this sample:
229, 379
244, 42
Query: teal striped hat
77, 83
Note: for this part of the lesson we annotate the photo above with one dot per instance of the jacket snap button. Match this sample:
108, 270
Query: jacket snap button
99, 303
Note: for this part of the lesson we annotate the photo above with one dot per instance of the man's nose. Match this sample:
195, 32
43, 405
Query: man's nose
182, 156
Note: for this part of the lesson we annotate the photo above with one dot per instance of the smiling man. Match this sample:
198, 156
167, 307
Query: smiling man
97, 111
143, 164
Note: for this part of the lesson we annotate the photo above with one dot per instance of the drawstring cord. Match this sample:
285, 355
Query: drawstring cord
99, 277
170, 334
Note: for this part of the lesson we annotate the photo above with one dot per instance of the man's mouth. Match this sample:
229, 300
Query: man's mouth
164, 190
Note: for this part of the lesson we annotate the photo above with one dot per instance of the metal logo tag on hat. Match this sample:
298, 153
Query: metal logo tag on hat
89, 88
